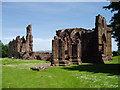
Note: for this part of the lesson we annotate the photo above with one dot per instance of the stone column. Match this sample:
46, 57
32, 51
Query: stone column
79, 52
59, 49
109, 46
63, 50
70, 51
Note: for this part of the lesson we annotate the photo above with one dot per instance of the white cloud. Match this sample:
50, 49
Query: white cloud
6, 40
42, 44
38, 43
41, 40
114, 45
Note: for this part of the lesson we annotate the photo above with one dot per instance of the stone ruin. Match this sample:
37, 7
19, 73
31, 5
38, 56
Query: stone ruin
70, 46
23, 48
77, 45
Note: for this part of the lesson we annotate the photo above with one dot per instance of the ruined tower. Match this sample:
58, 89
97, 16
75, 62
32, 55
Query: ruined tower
29, 39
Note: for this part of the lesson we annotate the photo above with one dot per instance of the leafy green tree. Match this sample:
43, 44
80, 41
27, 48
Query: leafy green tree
3, 49
115, 20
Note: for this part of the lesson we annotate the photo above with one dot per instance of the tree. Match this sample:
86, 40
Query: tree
4, 49
115, 20
0, 49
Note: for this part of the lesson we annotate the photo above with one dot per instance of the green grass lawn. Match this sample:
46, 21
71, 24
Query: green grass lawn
16, 74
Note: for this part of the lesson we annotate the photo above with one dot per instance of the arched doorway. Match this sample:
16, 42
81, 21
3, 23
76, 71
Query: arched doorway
76, 48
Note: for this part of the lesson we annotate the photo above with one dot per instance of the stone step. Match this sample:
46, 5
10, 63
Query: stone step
64, 63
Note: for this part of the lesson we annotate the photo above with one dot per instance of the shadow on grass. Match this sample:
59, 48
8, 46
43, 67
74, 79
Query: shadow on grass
111, 69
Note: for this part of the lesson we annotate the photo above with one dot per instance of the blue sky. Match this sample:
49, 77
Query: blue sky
47, 17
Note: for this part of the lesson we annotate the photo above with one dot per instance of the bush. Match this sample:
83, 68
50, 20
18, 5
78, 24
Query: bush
114, 53
4, 49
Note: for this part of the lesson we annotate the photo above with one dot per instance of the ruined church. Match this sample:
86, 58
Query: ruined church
78, 45
23, 48
69, 46
20, 45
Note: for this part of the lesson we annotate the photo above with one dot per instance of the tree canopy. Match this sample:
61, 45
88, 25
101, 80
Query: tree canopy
115, 20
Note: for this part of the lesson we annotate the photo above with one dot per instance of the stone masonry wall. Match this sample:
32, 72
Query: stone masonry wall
23, 48
77, 45
69, 46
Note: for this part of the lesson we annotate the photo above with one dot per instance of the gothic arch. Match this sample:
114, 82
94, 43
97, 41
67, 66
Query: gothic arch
67, 44
76, 45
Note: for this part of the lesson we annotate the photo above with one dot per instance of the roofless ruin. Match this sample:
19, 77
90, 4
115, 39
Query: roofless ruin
70, 46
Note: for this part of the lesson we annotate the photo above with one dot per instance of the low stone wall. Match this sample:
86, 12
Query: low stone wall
43, 56
36, 56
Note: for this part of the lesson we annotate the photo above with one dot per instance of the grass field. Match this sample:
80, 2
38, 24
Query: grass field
16, 74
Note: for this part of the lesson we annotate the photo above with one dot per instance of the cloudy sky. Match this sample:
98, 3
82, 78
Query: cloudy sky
47, 17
